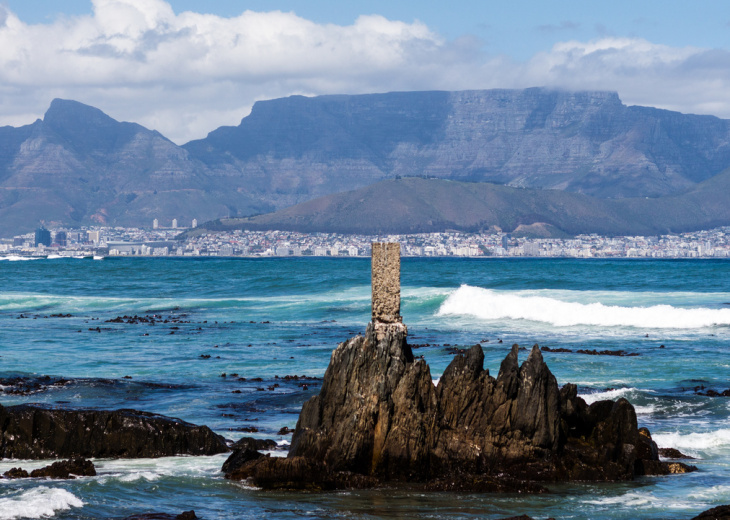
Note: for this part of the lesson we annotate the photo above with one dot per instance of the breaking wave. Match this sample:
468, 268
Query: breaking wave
40, 502
495, 305
695, 443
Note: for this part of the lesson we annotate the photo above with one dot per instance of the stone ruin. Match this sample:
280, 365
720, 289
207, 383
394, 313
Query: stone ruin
386, 282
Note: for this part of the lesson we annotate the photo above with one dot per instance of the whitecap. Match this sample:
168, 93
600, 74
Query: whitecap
489, 304
693, 443
38, 502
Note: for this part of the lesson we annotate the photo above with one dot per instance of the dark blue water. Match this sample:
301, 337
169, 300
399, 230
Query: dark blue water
269, 318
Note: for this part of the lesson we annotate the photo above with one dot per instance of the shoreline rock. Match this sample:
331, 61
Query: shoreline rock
39, 432
64, 469
379, 419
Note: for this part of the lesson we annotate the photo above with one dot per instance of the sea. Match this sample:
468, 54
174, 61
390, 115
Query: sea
228, 331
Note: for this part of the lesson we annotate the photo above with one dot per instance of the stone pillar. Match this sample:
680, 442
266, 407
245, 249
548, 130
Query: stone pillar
386, 282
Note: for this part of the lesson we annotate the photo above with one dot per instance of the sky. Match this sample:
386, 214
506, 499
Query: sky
186, 67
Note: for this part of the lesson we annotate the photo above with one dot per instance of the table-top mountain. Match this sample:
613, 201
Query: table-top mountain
79, 166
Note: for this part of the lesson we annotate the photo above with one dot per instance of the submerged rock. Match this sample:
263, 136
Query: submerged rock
379, 416
37, 432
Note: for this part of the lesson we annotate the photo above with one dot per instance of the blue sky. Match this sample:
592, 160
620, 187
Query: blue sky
185, 67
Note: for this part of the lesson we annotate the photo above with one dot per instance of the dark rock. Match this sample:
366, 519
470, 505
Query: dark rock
37, 432
186, 515
66, 469
379, 416
255, 444
238, 458
299, 473
672, 453
16, 473
716, 513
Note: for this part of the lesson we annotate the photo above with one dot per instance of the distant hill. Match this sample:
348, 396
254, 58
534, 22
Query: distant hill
414, 205
79, 166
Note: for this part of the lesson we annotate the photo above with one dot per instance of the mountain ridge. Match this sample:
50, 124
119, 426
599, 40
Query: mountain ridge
78, 166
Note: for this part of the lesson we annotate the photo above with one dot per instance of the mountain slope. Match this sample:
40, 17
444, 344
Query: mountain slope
586, 142
79, 166
414, 205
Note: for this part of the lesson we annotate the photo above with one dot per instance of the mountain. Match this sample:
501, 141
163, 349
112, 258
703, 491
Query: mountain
415, 205
584, 142
80, 166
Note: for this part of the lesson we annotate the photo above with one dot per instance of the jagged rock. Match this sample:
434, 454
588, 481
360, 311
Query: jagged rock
66, 469
672, 453
254, 444
378, 415
36, 432
716, 513
238, 458
16, 473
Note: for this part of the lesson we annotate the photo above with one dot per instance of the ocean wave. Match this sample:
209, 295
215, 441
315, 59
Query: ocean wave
489, 304
39, 502
694, 443
16, 258
635, 499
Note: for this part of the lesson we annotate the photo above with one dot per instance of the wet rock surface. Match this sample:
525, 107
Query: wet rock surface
672, 453
38, 432
378, 418
716, 513
186, 515
65, 469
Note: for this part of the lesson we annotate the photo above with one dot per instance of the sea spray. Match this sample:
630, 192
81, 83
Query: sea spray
490, 304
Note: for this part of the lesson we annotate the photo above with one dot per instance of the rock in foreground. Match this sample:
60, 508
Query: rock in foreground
379, 418
35, 432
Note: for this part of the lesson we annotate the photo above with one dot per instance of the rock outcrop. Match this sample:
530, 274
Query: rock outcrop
380, 417
36, 432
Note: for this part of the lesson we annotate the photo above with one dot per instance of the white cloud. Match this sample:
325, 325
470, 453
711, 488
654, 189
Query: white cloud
186, 74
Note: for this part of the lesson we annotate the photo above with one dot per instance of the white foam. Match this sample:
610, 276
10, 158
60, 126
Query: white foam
693, 443
627, 499
611, 395
38, 502
495, 305
16, 258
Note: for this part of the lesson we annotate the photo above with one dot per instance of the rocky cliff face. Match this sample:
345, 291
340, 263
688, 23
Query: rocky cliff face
379, 418
587, 142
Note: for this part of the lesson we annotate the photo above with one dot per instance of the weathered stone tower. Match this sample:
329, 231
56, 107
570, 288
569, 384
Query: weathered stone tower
386, 282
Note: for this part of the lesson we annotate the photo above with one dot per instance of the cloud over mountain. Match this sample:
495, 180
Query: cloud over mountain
185, 74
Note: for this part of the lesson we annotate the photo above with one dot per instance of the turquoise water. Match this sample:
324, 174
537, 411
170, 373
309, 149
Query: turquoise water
268, 318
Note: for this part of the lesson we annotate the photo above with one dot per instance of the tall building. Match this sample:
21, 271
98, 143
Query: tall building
195, 223
94, 236
155, 224
61, 239
174, 223
42, 237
